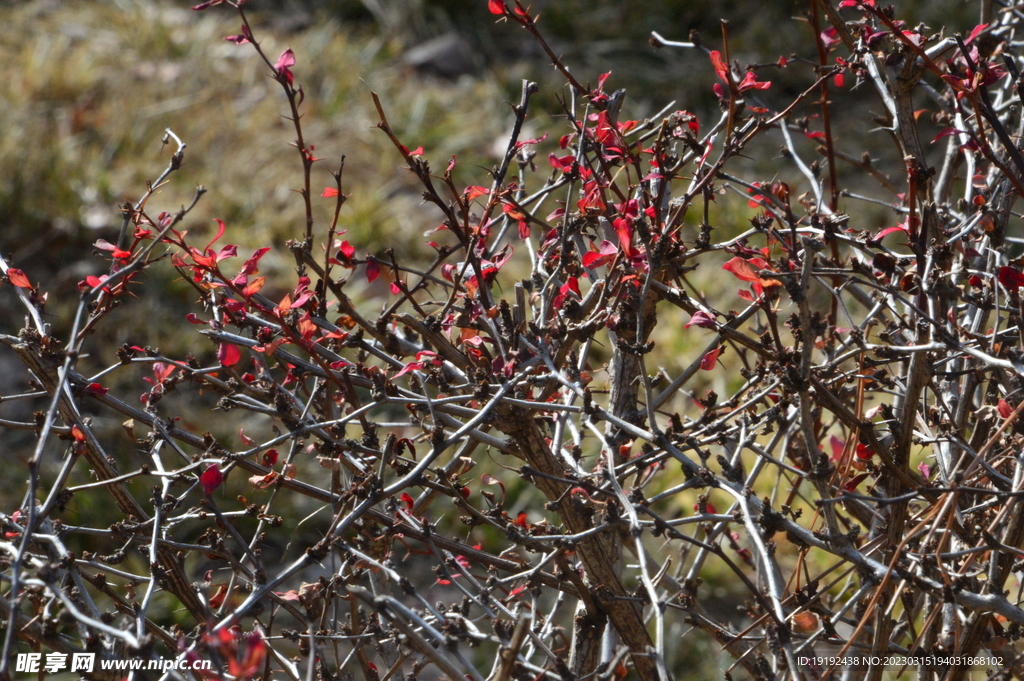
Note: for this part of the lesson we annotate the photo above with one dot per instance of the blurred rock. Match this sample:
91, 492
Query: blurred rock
447, 56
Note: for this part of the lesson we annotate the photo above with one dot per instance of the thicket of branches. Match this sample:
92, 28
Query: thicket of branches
859, 480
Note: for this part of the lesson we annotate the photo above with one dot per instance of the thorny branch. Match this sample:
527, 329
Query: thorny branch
454, 504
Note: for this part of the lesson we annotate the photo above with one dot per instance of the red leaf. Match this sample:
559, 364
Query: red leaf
837, 447
411, 366
473, 191
252, 658
92, 282
512, 211
536, 140
830, 36
946, 132
263, 481
217, 599
864, 453
1011, 278
741, 269
211, 479
228, 251
603, 256
347, 249
254, 286
18, 278
708, 361
220, 232
625, 233
702, 319
116, 253
302, 299
251, 265
762, 264
496, 7
1005, 410
854, 481
285, 61
77, 433
975, 33
96, 389
720, 68
372, 269
228, 354
563, 163
407, 500
750, 82
710, 507
887, 231
330, 192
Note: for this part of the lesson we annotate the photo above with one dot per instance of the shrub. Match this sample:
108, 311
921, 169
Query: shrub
559, 447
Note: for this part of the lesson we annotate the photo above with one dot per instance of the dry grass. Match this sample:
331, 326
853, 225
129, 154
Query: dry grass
90, 88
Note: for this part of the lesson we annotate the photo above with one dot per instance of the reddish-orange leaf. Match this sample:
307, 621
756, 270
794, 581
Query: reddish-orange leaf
228, 354
474, 191
263, 481
217, 599
254, 286
741, 269
708, 361
805, 622
720, 67
18, 278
